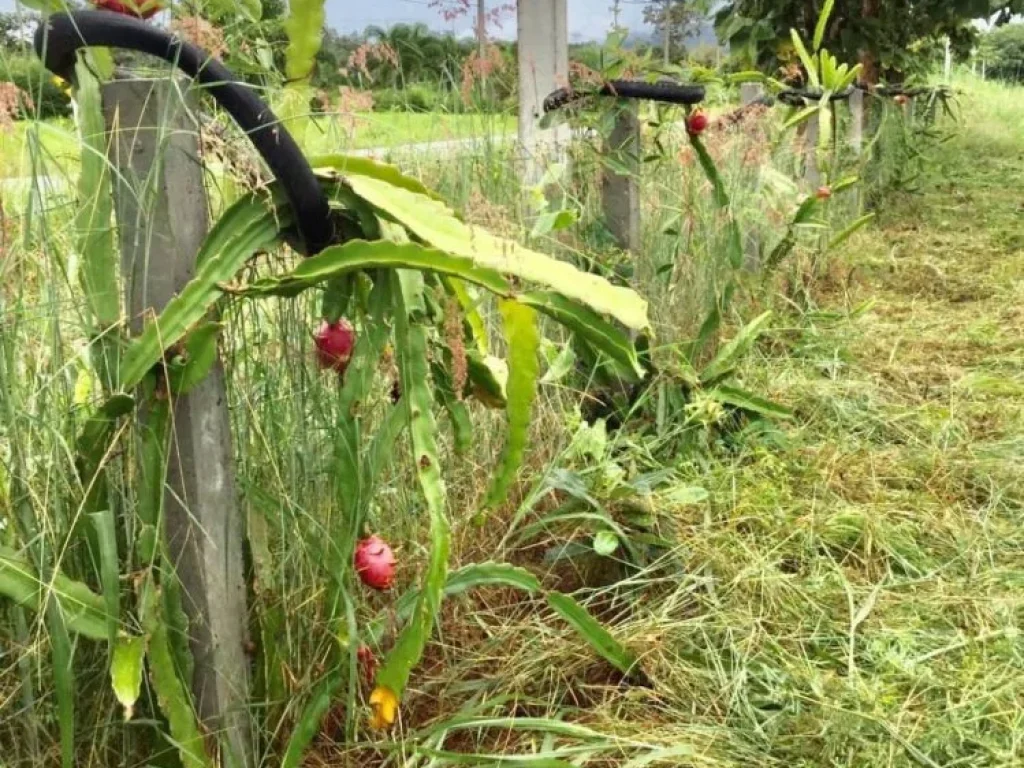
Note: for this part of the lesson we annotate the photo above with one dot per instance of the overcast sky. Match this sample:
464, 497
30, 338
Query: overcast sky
587, 18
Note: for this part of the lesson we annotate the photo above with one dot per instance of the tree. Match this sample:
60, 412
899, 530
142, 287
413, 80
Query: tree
1002, 50
16, 30
883, 36
675, 19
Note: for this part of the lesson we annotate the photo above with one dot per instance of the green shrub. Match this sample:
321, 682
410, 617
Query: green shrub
29, 74
415, 98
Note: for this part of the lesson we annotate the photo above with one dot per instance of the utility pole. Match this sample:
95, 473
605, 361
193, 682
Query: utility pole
616, 10
666, 30
481, 28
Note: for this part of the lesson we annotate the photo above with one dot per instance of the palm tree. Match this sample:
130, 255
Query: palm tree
421, 53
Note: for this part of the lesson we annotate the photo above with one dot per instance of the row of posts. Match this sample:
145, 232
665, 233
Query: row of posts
621, 187
544, 67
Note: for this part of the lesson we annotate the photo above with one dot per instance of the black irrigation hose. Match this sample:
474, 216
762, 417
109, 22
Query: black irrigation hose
59, 38
669, 93
796, 98
899, 90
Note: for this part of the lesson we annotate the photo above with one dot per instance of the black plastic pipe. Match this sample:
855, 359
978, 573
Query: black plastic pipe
59, 38
669, 93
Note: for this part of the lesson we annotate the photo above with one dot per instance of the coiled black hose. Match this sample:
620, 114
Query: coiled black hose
59, 38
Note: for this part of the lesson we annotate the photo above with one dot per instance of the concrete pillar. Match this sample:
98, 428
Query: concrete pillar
621, 191
812, 175
749, 94
543, 68
162, 217
856, 103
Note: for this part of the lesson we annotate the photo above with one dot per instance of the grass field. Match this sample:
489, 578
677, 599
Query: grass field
58, 146
851, 592
843, 588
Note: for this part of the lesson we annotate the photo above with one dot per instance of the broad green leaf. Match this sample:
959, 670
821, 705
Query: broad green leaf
339, 260
828, 70
781, 250
361, 374
810, 65
458, 413
747, 401
105, 528
605, 543
849, 78
62, 654
729, 355
599, 638
152, 467
433, 222
93, 224
588, 325
337, 297
503, 574
734, 249
561, 362
199, 358
488, 377
708, 330
707, 164
802, 116
411, 348
851, 229
553, 221
171, 694
126, 671
92, 449
308, 724
248, 225
491, 575
333, 167
83, 611
845, 183
750, 76
822, 25
172, 598
520, 323
825, 136
806, 210
304, 27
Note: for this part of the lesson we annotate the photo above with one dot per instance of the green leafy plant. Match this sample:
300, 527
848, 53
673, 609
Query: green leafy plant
408, 272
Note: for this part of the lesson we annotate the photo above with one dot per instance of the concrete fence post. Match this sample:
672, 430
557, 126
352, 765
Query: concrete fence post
749, 94
543, 68
161, 208
857, 121
621, 189
812, 174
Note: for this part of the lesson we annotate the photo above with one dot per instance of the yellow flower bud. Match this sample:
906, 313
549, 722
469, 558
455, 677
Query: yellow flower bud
384, 704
